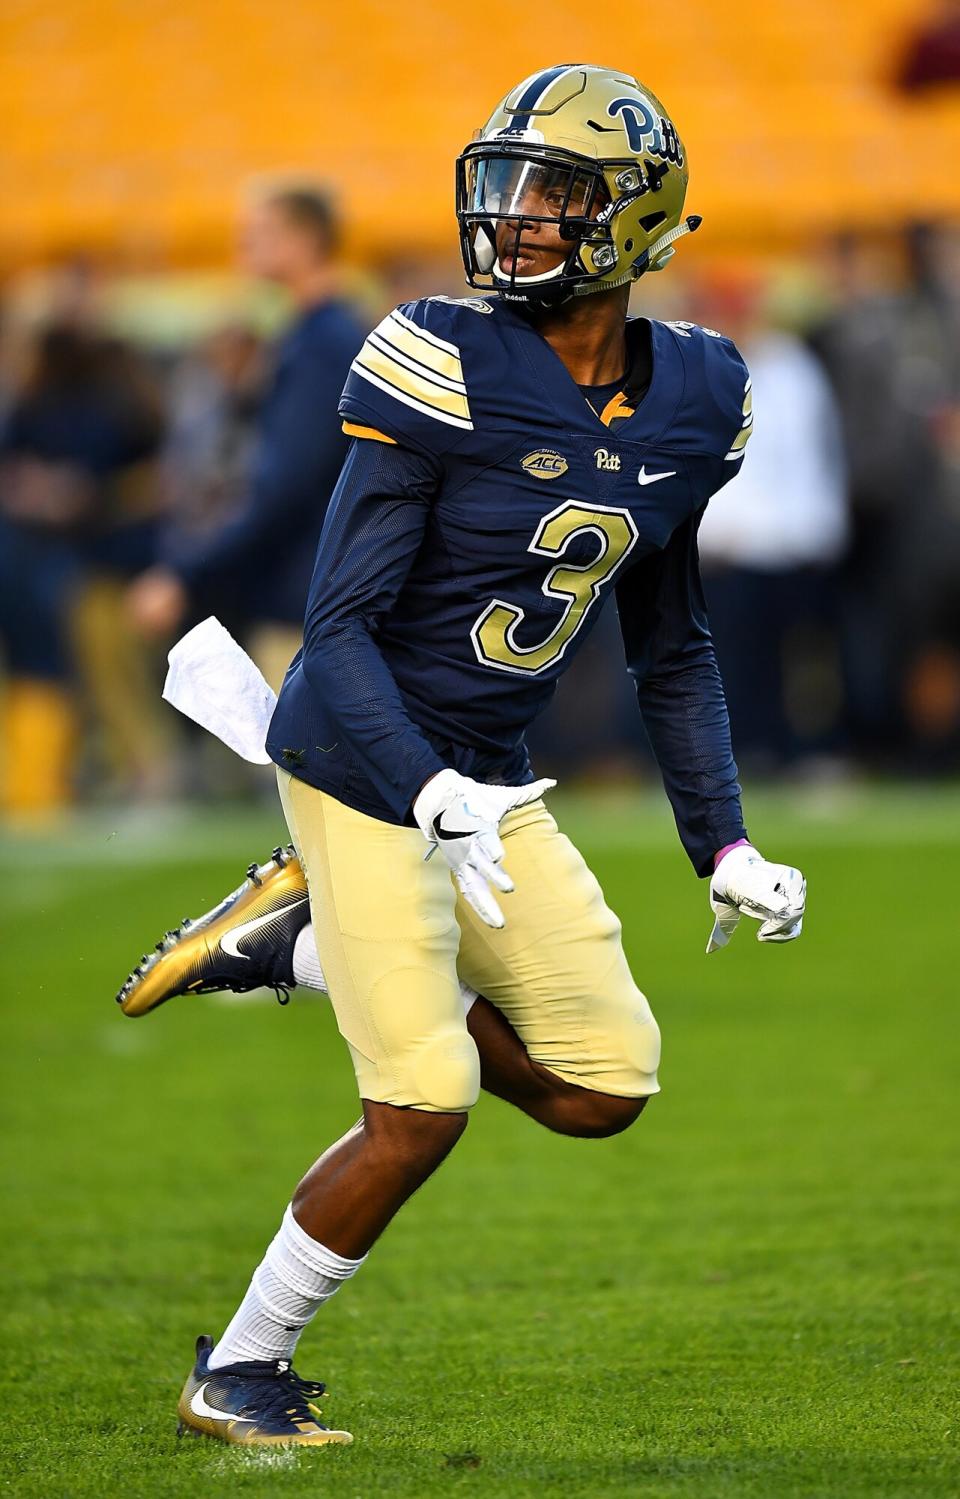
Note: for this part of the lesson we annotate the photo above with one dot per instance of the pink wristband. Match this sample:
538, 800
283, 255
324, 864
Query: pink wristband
740, 843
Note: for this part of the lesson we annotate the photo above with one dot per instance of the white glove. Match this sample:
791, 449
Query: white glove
745, 883
460, 817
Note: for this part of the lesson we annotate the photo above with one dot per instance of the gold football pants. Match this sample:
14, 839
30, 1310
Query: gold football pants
394, 935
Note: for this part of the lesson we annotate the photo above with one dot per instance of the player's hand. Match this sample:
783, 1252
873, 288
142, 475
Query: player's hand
157, 602
460, 817
745, 884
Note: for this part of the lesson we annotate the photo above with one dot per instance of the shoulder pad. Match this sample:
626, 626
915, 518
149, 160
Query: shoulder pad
408, 381
718, 387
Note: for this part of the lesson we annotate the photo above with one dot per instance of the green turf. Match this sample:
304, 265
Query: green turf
752, 1293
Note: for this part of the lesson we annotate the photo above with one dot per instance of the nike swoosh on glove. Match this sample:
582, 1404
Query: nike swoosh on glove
745, 884
460, 817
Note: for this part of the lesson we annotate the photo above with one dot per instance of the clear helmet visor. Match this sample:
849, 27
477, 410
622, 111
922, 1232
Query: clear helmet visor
504, 192
510, 186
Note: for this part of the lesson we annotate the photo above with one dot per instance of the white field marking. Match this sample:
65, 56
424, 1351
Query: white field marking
43, 888
260, 1458
125, 1040
178, 834
851, 814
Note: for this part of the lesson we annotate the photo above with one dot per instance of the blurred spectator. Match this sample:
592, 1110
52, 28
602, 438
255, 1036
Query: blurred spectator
264, 552
928, 311
932, 54
215, 400
894, 358
73, 508
770, 543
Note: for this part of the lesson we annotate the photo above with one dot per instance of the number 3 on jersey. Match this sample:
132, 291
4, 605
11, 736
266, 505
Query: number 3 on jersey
576, 587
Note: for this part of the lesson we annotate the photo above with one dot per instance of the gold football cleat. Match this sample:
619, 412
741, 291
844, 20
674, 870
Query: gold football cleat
253, 1405
244, 943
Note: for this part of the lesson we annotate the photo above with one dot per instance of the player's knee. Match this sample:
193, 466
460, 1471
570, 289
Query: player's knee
617, 1114
601, 1115
446, 1071
424, 1137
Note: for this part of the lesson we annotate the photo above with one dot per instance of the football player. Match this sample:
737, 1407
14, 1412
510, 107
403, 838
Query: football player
517, 459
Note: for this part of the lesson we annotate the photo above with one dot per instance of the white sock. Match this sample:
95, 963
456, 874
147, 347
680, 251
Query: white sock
306, 961
308, 973
294, 1278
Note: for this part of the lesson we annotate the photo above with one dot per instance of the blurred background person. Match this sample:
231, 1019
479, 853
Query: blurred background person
931, 54
78, 512
770, 545
215, 397
263, 553
891, 347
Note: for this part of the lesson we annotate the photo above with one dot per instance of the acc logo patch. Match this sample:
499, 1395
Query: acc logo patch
544, 464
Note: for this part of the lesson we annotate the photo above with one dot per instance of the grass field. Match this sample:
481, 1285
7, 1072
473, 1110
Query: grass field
753, 1293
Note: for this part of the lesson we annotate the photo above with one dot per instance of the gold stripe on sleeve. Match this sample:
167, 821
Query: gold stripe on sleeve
353, 429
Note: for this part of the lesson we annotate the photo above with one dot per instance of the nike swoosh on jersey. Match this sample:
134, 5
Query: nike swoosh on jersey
200, 1408
230, 939
644, 478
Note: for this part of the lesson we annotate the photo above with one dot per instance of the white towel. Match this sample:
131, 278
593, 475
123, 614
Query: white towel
213, 681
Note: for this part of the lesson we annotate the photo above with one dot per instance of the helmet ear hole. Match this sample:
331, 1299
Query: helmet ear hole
650, 221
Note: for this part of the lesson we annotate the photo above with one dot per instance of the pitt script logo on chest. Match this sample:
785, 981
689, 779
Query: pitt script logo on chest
607, 460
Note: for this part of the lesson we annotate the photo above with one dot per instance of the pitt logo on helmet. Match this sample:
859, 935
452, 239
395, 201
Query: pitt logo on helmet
645, 132
544, 464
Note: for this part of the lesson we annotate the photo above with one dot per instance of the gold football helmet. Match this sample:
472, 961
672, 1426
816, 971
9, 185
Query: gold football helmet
589, 151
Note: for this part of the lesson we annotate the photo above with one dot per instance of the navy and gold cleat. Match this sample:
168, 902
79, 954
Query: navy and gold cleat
244, 943
253, 1405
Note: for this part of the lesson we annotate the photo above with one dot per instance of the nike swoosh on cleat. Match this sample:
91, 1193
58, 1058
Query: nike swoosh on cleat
644, 478
200, 1408
229, 941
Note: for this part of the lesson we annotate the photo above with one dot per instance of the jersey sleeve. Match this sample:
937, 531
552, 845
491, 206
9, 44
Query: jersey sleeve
728, 398
715, 418
373, 530
739, 416
670, 655
407, 383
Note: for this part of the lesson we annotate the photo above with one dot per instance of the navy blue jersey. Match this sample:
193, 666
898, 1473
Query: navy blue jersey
471, 544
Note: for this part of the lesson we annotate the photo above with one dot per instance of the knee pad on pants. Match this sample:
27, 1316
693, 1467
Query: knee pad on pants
635, 1044
446, 1071
642, 1053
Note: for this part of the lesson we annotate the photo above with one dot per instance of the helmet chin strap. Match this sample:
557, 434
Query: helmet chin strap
655, 257
523, 281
